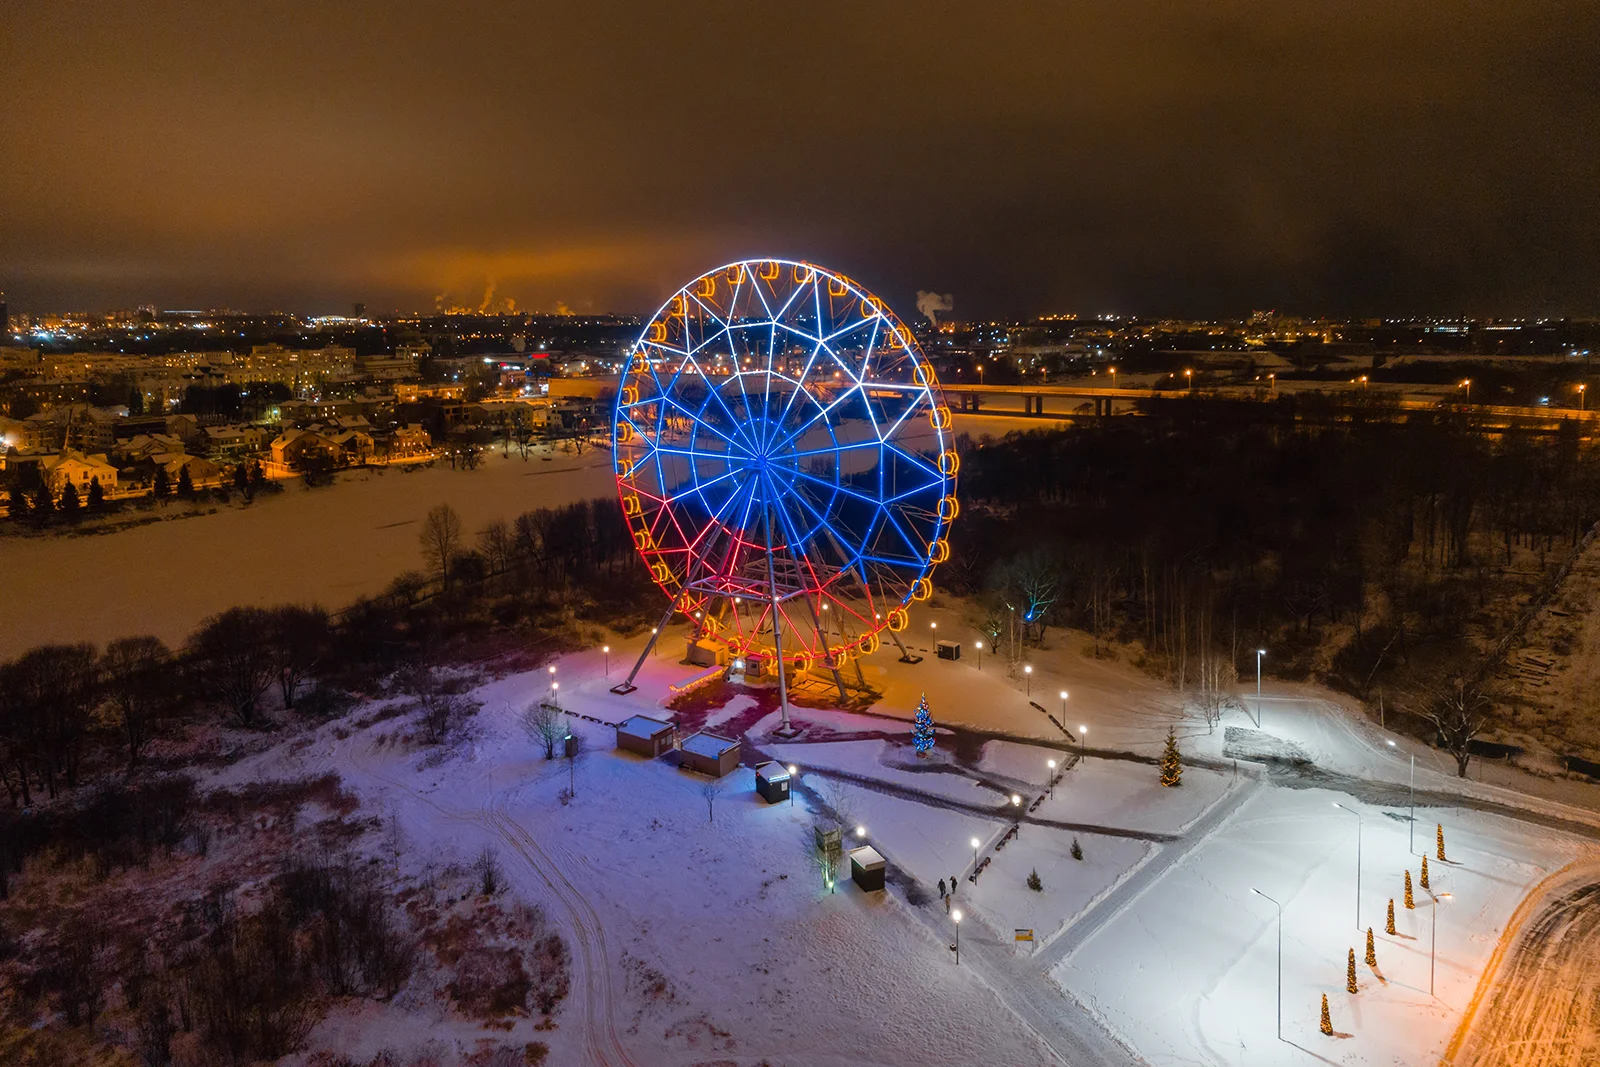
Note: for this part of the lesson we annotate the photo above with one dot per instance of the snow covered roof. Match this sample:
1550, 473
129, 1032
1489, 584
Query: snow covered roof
712, 746
643, 726
866, 857
772, 771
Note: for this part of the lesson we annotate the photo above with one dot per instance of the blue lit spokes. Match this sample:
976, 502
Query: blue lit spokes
801, 402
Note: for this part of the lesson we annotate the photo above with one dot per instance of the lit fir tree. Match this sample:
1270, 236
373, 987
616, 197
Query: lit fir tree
1350, 973
1439, 838
922, 728
1410, 904
1388, 926
1372, 948
1424, 878
1171, 761
1327, 1020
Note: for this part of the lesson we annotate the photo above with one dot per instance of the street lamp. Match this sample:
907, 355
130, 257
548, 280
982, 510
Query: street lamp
1189, 374
555, 693
794, 776
1259, 653
861, 831
1063, 703
975, 844
955, 917
607, 650
1083, 739
1412, 819
1052, 764
1263, 896
979, 645
1357, 814
1466, 383
1582, 388
1027, 674
1113, 371
1433, 937
1272, 379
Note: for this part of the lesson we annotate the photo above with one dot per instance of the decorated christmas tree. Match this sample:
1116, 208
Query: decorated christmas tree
922, 728
1388, 927
1410, 904
1171, 761
1372, 947
1350, 973
1327, 1020
1424, 872
1439, 838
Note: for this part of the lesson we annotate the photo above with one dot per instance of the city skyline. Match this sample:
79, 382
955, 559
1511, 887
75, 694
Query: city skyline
1370, 160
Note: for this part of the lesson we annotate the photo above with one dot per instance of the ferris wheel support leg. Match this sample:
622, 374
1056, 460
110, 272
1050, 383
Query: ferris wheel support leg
627, 685
905, 657
838, 680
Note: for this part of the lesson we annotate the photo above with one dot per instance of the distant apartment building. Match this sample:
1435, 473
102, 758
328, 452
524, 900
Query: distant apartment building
79, 470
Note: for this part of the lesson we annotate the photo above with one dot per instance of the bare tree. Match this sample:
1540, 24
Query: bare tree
838, 800
442, 711
46, 697
1217, 675
137, 672
711, 789
544, 725
299, 640
487, 868
441, 540
1460, 711
496, 546
235, 658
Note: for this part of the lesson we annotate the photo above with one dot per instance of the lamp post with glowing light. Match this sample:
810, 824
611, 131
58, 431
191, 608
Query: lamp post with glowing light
555, 693
1259, 653
1027, 674
1263, 896
1052, 764
1582, 388
1466, 383
1412, 818
1357, 814
607, 650
1189, 374
955, 917
1433, 938
979, 645
1083, 742
1063, 705
975, 845
794, 779
552, 681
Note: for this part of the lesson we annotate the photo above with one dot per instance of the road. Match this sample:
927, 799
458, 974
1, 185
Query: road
1541, 1006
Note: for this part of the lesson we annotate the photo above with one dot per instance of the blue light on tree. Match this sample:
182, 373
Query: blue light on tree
922, 728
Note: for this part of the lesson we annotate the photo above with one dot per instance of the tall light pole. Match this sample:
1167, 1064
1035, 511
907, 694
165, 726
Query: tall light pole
1412, 819
1052, 764
955, 917
1466, 383
607, 650
1083, 740
1063, 705
1582, 388
1189, 374
979, 645
1259, 653
552, 681
975, 844
1357, 814
1027, 674
1433, 938
1263, 896
794, 777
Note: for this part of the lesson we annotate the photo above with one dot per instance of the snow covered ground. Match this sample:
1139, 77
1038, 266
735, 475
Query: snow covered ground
324, 546
1152, 942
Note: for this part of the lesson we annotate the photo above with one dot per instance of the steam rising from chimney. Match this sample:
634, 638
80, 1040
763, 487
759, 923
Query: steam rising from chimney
930, 304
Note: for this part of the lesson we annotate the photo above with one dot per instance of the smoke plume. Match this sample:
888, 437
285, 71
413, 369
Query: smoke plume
930, 304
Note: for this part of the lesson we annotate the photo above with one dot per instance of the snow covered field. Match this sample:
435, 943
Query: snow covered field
713, 941
326, 546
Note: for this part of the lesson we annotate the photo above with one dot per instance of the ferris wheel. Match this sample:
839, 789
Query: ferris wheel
785, 464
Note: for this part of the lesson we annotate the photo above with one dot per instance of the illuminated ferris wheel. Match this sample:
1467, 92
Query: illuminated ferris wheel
785, 463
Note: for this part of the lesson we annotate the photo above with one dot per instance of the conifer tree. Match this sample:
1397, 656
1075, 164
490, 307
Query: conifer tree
1372, 947
185, 483
1171, 761
922, 728
97, 494
1388, 926
1439, 838
160, 487
1350, 973
44, 505
1034, 882
1410, 904
1327, 1020
69, 501
1077, 849
1424, 878
21, 507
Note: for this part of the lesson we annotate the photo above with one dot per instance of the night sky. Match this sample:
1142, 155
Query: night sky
1193, 158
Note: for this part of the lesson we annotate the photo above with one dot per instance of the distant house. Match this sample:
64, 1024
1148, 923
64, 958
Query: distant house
202, 472
299, 448
236, 440
150, 445
355, 445
183, 427
411, 440
79, 470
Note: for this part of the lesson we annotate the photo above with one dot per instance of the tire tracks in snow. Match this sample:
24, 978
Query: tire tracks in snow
602, 1046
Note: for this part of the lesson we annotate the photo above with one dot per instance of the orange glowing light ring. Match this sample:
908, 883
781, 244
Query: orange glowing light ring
843, 450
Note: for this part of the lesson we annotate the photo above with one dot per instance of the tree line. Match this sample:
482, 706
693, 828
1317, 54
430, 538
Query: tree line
1376, 554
